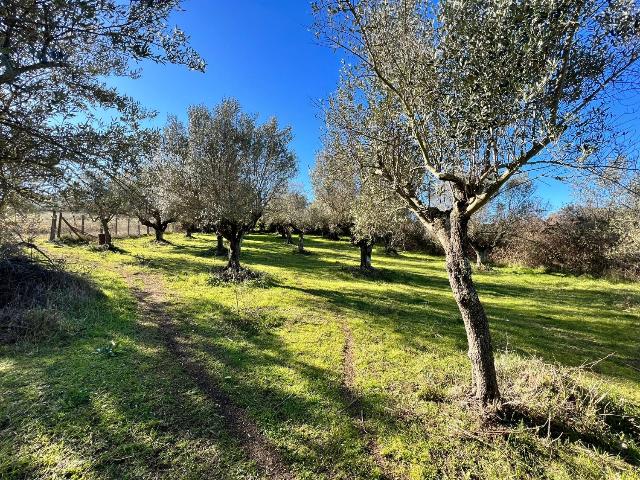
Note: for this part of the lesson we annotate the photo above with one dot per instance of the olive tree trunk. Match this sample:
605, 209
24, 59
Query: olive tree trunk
366, 249
159, 231
481, 257
158, 226
220, 250
235, 243
484, 379
104, 225
301, 242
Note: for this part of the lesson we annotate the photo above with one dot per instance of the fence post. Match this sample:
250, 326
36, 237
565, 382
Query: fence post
52, 233
82, 224
128, 227
59, 224
147, 229
138, 227
116, 226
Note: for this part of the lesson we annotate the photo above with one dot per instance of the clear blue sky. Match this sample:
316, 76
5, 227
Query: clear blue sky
263, 53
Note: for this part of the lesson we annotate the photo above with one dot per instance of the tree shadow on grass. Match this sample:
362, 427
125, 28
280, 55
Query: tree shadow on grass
126, 412
566, 324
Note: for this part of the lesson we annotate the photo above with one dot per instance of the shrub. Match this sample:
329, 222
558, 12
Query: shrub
32, 294
577, 240
557, 401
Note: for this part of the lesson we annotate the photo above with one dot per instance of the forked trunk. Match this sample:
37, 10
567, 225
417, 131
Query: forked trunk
234, 253
481, 258
366, 249
484, 379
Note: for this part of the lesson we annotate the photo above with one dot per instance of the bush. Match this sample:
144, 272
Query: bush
577, 240
557, 401
32, 296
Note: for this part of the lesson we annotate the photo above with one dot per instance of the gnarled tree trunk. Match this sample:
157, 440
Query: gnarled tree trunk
235, 243
454, 238
301, 242
159, 227
366, 249
159, 231
104, 226
481, 256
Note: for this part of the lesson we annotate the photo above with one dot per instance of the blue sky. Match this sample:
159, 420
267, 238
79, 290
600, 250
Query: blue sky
263, 53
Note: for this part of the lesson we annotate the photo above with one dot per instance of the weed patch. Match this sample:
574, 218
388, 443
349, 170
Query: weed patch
34, 297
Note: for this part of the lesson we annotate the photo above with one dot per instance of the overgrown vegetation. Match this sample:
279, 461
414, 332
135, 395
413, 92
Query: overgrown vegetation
37, 297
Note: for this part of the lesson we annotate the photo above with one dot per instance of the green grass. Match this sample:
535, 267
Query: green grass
79, 407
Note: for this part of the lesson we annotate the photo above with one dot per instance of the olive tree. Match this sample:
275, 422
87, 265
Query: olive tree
182, 183
241, 166
354, 197
289, 213
98, 196
451, 99
151, 182
54, 59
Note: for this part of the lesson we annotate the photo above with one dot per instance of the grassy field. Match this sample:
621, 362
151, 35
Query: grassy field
344, 376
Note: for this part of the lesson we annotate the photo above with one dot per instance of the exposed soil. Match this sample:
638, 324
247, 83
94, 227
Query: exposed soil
153, 302
353, 400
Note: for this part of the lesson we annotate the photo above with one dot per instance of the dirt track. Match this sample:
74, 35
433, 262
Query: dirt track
153, 303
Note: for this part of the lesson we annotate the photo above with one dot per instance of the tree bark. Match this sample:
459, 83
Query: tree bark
484, 379
54, 227
159, 231
220, 250
59, 231
301, 243
366, 249
481, 258
234, 252
105, 229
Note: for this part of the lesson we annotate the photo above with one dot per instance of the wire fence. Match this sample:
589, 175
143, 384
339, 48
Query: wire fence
58, 224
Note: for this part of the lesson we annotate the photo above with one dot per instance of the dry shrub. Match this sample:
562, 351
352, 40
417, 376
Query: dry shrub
32, 297
576, 240
562, 402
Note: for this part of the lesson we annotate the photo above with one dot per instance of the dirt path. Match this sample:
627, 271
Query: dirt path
353, 401
153, 302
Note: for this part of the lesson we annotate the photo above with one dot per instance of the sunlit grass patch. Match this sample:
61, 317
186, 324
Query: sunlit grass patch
278, 353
